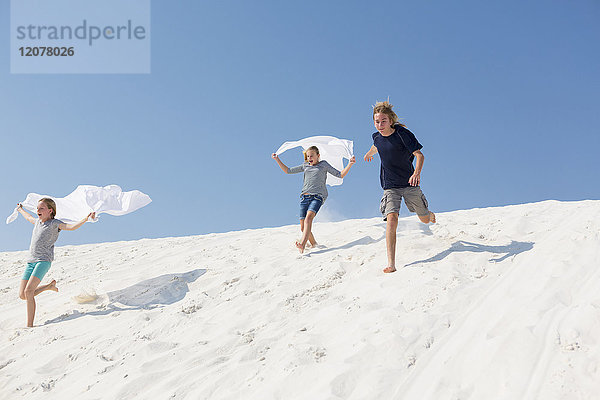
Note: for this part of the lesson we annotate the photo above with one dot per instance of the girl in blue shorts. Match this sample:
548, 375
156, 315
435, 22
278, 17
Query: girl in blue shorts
45, 234
314, 191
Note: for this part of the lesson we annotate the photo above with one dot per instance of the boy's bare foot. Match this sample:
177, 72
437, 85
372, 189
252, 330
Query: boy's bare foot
52, 286
431, 217
300, 247
389, 270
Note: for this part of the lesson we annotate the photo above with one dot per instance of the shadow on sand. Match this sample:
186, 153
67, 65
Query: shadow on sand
359, 242
160, 291
509, 250
409, 226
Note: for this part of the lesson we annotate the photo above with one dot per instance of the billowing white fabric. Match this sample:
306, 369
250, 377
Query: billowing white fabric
86, 199
331, 149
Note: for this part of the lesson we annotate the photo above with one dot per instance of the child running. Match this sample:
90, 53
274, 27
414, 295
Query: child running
45, 234
314, 191
397, 148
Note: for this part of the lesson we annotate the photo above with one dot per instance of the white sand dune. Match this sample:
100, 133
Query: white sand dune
495, 303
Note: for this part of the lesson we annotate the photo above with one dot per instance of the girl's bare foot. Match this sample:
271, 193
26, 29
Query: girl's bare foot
389, 270
300, 247
52, 286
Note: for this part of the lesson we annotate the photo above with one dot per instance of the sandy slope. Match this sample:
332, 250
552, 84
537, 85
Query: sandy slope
496, 303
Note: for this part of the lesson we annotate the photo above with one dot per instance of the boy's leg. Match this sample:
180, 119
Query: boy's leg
427, 218
390, 241
390, 208
417, 202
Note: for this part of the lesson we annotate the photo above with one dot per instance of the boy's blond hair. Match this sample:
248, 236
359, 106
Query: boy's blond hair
50, 204
384, 107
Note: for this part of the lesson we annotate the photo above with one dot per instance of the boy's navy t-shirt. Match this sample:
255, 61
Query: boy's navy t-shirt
395, 152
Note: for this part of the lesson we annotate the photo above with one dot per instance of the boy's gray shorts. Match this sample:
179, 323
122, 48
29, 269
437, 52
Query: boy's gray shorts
413, 197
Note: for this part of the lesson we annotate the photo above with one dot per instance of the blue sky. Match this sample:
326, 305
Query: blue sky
502, 95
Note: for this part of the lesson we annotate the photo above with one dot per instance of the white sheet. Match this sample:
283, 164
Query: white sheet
86, 199
331, 149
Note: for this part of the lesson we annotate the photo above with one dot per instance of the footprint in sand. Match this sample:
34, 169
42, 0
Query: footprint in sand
429, 342
48, 385
58, 365
344, 384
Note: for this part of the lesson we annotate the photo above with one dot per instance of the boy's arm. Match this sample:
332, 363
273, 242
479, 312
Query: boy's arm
347, 169
72, 227
415, 179
283, 167
25, 214
372, 151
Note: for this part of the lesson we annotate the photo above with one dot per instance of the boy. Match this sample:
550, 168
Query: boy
397, 148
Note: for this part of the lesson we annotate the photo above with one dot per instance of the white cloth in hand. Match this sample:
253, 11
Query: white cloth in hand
331, 149
86, 199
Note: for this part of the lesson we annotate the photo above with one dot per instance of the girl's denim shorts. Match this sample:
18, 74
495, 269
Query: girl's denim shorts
310, 202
